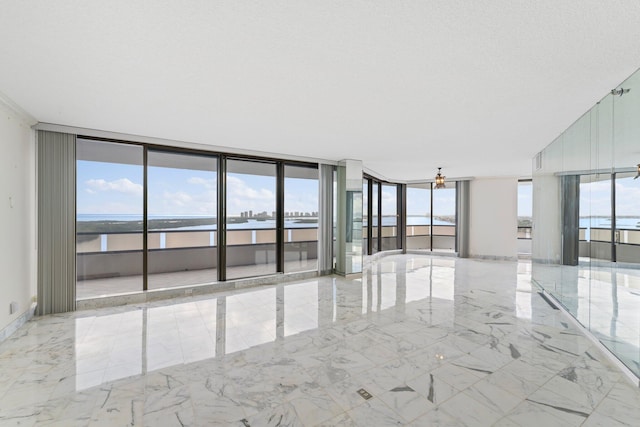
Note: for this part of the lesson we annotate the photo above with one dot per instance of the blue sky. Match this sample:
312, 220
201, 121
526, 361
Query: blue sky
108, 188
525, 199
595, 198
419, 202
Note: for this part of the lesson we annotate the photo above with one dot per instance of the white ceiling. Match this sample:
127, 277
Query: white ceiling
477, 87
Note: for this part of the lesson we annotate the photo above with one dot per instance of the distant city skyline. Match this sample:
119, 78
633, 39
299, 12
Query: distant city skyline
116, 189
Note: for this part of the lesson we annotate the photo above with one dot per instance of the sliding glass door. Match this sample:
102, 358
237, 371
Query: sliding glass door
301, 205
109, 220
181, 219
251, 218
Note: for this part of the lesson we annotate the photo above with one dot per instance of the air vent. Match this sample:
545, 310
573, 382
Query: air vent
538, 161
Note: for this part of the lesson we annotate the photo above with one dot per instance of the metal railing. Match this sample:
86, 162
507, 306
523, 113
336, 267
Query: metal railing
524, 233
598, 234
88, 242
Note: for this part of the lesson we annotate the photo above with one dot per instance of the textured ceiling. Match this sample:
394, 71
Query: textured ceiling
477, 87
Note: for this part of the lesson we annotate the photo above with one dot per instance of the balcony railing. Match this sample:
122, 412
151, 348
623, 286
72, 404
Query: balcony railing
176, 239
598, 234
104, 255
524, 233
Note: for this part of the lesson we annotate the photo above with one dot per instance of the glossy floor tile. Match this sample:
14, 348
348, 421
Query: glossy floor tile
604, 297
418, 340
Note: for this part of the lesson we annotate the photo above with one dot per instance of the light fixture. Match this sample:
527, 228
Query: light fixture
440, 180
638, 172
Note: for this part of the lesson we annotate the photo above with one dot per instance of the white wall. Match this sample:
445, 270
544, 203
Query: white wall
17, 213
493, 222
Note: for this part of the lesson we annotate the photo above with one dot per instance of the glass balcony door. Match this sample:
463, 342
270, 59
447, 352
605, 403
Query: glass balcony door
251, 218
109, 218
181, 219
301, 205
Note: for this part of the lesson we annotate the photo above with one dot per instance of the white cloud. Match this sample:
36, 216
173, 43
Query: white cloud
122, 185
241, 197
207, 183
178, 199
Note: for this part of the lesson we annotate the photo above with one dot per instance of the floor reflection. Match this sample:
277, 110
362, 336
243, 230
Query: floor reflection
433, 340
604, 297
149, 338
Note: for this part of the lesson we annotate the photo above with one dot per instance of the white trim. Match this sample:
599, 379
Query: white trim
19, 111
52, 127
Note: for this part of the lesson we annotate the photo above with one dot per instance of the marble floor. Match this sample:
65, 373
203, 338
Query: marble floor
418, 340
604, 298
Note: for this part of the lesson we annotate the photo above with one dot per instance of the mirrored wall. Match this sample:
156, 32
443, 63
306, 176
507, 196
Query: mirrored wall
586, 221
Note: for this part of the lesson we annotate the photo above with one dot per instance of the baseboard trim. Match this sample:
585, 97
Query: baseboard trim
17, 323
494, 257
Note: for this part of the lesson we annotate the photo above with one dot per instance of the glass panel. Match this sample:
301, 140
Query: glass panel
365, 216
595, 216
601, 147
181, 222
109, 199
300, 218
419, 216
525, 216
375, 221
621, 329
251, 226
353, 244
444, 218
389, 217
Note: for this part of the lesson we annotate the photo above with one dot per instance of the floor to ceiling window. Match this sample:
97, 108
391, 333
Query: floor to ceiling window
181, 219
148, 217
382, 215
525, 216
389, 203
301, 205
444, 218
365, 216
251, 218
419, 216
375, 217
109, 218
431, 217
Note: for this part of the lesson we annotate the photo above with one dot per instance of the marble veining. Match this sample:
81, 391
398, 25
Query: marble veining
434, 341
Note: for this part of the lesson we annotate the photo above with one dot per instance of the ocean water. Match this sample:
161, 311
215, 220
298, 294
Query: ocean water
251, 224
585, 222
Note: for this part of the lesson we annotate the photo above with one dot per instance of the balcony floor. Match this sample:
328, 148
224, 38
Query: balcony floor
117, 285
435, 341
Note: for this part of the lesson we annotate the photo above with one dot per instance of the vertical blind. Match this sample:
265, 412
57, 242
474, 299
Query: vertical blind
56, 222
